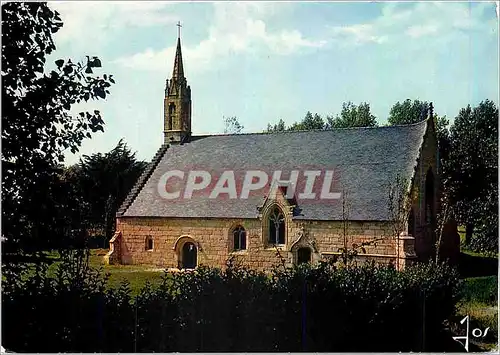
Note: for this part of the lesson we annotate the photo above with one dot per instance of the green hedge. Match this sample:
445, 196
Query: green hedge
308, 308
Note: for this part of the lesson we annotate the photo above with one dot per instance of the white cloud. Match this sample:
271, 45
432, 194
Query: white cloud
421, 30
90, 24
424, 19
236, 28
288, 42
358, 34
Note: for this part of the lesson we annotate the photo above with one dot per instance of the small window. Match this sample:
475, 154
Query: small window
149, 243
276, 227
239, 238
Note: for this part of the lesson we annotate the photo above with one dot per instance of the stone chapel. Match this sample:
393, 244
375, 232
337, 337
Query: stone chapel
275, 226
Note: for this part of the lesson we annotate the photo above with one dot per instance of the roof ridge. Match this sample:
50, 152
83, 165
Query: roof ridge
141, 181
309, 130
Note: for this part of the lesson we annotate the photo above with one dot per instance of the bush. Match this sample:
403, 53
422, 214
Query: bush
307, 308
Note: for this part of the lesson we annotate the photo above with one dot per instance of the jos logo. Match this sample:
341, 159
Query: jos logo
476, 333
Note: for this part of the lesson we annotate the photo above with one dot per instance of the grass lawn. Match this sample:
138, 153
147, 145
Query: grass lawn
480, 296
480, 303
136, 275
479, 299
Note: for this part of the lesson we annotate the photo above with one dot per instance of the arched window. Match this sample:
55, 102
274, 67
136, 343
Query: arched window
149, 243
171, 114
276, 227
239, 238
166, 88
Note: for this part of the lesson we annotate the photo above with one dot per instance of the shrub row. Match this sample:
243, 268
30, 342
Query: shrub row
308, 308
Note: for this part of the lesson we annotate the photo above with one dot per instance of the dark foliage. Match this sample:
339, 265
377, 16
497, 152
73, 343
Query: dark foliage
472, 167
38, 209
103, 182
307, 308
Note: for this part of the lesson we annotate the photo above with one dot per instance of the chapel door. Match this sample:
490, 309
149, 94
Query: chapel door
303, 255
189, 256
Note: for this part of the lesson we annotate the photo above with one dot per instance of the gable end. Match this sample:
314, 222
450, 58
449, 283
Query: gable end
142, 180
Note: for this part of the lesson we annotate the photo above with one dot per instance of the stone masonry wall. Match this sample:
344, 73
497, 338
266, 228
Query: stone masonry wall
424, 240
213, 239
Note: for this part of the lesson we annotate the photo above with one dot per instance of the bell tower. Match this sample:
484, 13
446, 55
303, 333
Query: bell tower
177, 109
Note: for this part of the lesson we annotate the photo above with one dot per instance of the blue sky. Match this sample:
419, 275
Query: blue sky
262, 61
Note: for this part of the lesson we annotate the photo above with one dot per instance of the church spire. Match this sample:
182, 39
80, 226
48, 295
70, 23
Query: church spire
177, 109
178, 72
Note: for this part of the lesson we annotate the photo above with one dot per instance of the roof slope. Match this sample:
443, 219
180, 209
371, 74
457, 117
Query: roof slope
366, 160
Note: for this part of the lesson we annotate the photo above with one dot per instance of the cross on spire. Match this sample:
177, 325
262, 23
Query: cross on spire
178, 73
179, 28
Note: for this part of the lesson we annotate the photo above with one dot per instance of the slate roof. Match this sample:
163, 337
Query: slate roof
366, 160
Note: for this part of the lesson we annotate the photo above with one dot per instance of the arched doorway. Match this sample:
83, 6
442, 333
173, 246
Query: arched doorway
303, 255
189, 256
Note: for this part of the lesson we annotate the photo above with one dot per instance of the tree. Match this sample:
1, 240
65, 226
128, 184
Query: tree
349, 251
353, 116
443, 136
309, 122
279, 127
231, 125
444, 215
347, 254
36, 125
408, 112
104, 181
400, 199
472, 167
